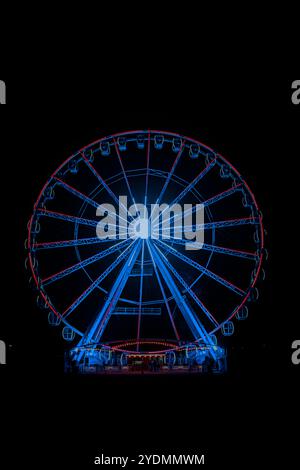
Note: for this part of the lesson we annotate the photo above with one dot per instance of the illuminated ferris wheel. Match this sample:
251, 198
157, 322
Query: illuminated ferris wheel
117, 276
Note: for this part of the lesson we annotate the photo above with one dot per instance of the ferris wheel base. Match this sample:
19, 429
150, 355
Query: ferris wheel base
190, 358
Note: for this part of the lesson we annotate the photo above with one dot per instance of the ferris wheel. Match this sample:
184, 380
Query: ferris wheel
118, 276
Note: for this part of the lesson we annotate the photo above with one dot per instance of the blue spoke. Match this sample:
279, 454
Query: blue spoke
96, 330
84, 197
147, 172
190, 186
189, 290
215, 249
163, 292
222, 195
72, 218
67, 218
214, 225
82, 264
171, 173
141, 295
97, 282
204, 270
68, 243
104, 184
77, 193
208, 202
124, 173
191, 319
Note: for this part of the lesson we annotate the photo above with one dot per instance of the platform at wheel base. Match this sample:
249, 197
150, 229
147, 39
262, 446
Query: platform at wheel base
191, 358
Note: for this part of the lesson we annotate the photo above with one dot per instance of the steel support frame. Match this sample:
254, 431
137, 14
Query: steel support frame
192, 321
96, 330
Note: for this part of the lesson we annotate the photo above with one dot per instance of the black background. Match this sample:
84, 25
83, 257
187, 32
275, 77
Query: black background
247, 416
